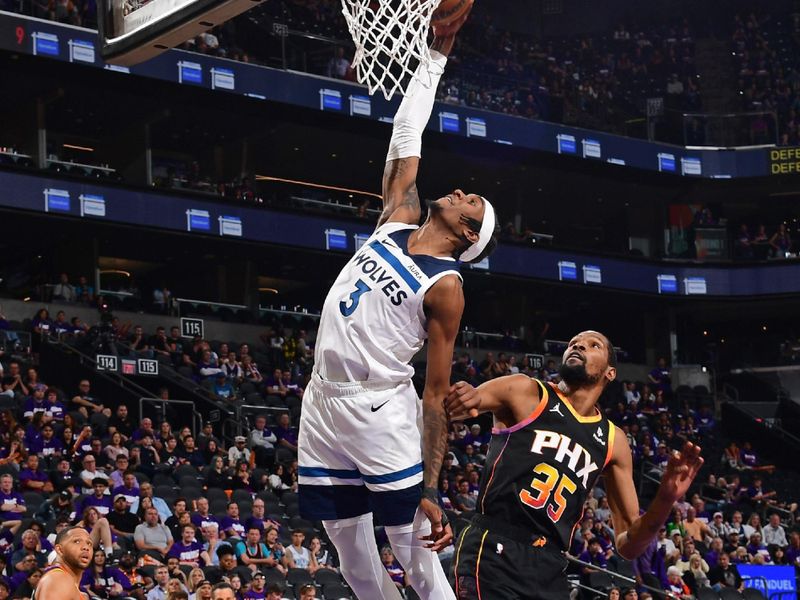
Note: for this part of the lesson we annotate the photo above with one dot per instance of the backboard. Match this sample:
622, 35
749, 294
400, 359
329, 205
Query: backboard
132, 31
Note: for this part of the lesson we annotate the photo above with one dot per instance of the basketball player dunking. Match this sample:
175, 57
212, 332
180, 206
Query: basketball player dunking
549, 446
364, 434
74, 550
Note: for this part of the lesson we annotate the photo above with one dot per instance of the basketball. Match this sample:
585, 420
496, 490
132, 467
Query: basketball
449, 11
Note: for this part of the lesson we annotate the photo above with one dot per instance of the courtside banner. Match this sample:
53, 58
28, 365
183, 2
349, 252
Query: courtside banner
778, 580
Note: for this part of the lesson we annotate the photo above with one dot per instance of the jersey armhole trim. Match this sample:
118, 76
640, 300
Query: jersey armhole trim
531, 417
612, 434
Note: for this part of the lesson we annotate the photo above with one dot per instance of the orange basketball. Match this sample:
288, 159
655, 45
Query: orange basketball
449, 11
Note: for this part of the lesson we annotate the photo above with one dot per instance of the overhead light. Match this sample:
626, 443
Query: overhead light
81, 148
269, 290
115, 272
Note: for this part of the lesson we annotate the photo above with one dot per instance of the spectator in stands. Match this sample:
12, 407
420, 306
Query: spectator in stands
98, 529
231, 526
238, 451
748, 459
123, 523
774, 533
121, 423
393, 567
104, 581
159, 590
262, 441
464, 501
223, 388
12, 504
161, 506
149, 459
659, 377
297, 555
32, 479
338, 65
64, 290
675, 584
190, 454
188, 550
153, 538
83, 291
99, 499
252, 552
207, 367
725, 574
781, 242
696, 576
84, 402
694, 527
286, 434
759, 495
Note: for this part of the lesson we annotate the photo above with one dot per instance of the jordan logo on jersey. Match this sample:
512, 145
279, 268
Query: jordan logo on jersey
598, 436
557, 409
575, 456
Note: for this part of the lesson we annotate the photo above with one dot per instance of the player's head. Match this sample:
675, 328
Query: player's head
74, 547
471, 221
589, 360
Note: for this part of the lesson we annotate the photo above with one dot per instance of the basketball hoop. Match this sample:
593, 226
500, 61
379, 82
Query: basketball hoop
391, 39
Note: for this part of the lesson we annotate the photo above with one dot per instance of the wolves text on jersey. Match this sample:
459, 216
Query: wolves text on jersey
378, 274
576, 457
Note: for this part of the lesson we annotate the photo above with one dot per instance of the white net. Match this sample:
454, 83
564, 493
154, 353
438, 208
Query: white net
391, 39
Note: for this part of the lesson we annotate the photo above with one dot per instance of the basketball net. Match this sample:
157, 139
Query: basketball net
391, 39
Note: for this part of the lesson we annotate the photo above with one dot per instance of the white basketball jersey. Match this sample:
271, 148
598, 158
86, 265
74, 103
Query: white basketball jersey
373, 322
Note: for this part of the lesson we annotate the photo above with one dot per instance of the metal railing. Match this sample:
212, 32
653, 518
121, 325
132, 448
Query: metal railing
196, 417
727, 130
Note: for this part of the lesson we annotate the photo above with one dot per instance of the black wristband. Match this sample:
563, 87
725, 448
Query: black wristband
445, 520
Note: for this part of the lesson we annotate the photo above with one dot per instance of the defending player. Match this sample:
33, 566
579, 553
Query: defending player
60, 582
549, 446
361, 448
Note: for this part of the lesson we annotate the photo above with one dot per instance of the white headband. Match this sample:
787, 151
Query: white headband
487, 230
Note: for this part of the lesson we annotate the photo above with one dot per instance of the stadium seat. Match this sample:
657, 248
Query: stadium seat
288, 594
325, 577
289, 498
752, 594
268, 496
293, 510
300, 523
336, 591
216, 494
186, 470
217, 506
273, 576
273, 508
600, 581
729, 594
239, 495
298, 577
191, 493
162, 479
707, 594
33, 500
190, 481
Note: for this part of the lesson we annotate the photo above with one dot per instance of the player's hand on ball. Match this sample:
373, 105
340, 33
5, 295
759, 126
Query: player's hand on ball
441, 536
681, 470
463, 401
452, 28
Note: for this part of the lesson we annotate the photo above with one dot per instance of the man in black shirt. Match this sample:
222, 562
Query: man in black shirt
121, 422
725, 574
123, 523
174, 521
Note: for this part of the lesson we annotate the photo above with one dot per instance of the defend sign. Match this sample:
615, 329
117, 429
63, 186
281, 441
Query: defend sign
779, 580
783, 161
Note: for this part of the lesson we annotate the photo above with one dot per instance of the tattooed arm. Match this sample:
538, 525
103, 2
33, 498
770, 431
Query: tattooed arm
400, 197
444, 305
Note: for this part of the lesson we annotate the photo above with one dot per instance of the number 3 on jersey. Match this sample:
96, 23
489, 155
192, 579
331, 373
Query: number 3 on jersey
348, 309
544, 490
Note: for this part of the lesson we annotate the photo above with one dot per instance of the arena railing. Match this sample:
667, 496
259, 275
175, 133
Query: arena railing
197, 418
616, 578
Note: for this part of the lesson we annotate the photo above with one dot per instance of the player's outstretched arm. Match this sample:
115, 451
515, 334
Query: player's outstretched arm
634, 532
444, 305
512, 397
400, 196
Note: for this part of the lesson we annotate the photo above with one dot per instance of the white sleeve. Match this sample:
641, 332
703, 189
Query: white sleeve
415, 110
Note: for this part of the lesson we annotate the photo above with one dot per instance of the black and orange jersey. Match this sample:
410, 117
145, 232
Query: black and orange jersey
540, 472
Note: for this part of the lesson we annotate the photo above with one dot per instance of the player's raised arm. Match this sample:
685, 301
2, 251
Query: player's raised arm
633, 532
400, 196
